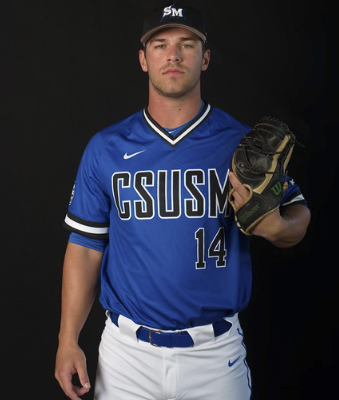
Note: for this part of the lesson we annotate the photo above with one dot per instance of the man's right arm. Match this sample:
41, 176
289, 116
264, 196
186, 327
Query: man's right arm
79, 286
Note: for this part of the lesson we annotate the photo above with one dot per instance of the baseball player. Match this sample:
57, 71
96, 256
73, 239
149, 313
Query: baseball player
148, 218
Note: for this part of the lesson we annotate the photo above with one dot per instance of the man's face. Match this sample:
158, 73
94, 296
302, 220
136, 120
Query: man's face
174, 59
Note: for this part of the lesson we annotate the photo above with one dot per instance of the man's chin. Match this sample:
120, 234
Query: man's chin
173, 93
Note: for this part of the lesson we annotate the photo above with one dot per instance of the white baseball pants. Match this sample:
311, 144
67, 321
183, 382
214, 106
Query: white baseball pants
214, 368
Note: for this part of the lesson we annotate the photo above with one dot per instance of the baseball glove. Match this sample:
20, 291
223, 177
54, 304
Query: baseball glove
260, 163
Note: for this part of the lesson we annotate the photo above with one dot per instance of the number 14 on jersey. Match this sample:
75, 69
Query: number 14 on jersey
216, 249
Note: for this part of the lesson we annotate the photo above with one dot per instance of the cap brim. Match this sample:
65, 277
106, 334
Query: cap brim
150, 33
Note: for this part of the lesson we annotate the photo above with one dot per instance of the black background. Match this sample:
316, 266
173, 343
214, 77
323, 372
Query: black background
69, 69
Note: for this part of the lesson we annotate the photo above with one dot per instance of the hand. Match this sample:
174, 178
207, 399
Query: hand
283, 229
241, 193
71, 360
270, 226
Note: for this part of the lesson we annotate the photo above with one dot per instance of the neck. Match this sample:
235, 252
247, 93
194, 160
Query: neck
171, 112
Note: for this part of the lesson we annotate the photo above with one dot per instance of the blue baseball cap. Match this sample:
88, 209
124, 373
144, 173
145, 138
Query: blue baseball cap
174, 15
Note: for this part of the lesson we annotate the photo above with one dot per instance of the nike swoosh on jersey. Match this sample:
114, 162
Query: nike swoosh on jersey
231, 363
127, 156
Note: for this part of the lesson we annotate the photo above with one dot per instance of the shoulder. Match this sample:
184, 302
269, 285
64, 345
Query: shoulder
103, 142
120, 127
225, 119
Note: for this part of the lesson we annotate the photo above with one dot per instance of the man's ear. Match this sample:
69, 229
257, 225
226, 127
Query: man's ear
206, 60
142, 60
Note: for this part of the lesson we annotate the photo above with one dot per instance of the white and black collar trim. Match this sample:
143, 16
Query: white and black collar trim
174, 140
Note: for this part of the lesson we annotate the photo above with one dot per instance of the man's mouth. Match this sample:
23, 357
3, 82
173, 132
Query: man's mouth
173, 71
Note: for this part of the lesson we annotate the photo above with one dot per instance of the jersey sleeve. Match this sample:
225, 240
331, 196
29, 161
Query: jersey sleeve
95, 244
88, 210
292, 194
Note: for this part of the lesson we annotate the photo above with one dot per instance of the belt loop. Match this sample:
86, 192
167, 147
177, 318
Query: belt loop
233, 321
128, 327
201, 334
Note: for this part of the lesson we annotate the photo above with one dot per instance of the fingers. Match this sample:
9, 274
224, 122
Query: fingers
240, 193
72, 391
68, 365
84, 380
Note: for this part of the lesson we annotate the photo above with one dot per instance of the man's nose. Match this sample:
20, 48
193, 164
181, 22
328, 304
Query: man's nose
174, 54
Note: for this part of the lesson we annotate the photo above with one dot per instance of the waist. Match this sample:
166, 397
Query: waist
184, 338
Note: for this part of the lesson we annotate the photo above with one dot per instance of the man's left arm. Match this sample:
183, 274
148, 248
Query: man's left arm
284, 227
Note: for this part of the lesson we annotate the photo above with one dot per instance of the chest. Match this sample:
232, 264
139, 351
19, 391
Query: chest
146, 179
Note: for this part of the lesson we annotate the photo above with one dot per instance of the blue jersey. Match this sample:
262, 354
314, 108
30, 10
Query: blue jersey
172, 258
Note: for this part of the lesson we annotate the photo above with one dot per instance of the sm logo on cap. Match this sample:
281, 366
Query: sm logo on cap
172, 12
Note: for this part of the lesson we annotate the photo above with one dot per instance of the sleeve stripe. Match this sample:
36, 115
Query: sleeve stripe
295, 199
85, 228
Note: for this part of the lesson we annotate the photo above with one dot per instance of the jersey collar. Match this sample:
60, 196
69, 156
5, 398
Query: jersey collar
174, 140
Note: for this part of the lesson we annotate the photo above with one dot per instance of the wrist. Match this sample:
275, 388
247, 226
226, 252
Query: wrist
68, 338
271, 228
